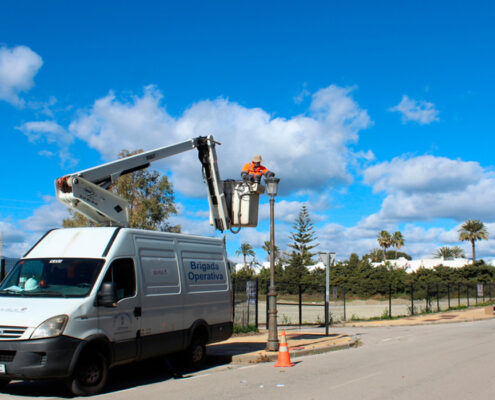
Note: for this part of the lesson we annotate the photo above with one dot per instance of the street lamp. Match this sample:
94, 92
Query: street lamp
327, 258
272, 344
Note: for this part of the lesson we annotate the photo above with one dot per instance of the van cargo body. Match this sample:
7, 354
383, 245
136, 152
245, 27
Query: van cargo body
86, 298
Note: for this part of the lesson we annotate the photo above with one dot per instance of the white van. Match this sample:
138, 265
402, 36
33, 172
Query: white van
85, 299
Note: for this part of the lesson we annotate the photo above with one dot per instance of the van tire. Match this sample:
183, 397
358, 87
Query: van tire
3, 383
90, 374
196, 353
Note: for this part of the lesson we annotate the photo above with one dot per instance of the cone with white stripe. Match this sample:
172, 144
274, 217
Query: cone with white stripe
283, 353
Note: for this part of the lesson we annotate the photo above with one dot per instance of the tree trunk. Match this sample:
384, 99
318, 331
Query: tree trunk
474, 251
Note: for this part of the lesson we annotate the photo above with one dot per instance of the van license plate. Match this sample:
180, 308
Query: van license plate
2, 369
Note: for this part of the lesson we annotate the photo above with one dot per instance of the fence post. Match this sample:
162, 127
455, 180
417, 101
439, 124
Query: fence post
483, 292
256, 306
427, 297
412, 298
476, 293
233, 300
467, 294
458, 294
438, 298
266, 307
448, 295
390, 300
300, 304
345, 318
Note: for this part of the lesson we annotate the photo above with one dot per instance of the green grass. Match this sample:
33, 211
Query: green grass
244, 329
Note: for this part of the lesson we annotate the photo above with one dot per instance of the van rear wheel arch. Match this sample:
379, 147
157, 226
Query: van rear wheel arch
199, 329
195, 352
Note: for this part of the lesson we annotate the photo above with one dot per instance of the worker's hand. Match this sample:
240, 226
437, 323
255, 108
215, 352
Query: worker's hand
270, 174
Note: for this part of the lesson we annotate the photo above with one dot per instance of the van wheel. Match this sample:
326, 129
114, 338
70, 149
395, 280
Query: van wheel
196, 353
90, 375
4, 382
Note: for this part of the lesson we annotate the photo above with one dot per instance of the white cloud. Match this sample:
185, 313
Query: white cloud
46, 217
297, 149
284, 210
20, 236
422, 112
18, 66
52, 133
303, 94
426, 188
424, 174
474, 202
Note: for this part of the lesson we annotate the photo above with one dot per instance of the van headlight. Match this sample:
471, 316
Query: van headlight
51, 327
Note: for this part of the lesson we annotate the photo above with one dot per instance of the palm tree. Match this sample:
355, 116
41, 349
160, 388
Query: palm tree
376, 255
246, 250
266, 247
457, 252
444, 252
397, 242
473, 230
384, 241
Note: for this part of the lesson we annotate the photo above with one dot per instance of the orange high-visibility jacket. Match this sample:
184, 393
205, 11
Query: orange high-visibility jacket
251, 169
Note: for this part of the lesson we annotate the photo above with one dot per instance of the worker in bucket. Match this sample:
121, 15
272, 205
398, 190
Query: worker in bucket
253, 171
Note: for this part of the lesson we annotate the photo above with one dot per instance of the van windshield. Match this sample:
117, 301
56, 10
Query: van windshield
60, 277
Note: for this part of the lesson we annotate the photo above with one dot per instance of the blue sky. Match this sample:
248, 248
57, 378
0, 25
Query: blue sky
376, 115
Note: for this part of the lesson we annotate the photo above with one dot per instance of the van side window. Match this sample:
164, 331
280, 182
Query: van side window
121, 272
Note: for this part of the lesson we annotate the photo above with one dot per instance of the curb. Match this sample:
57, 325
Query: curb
271, 357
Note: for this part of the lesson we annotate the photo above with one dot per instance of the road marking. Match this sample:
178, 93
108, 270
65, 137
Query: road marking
386, 339
248, 366
355, 380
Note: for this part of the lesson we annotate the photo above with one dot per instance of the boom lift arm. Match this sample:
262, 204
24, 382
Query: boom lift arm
86, 191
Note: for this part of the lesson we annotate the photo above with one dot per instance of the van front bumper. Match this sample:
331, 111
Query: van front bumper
37, 359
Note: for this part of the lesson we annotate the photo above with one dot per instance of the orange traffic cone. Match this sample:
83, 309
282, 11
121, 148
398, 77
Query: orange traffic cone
283, 353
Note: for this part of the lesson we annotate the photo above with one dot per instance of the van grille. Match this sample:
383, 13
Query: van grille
6, 356
11, 332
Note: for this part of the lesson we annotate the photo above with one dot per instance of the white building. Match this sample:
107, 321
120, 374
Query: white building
428, 263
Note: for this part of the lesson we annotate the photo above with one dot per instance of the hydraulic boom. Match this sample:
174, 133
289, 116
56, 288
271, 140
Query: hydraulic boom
86, 191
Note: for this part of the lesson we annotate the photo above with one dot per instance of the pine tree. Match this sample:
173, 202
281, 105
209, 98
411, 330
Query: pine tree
303, 239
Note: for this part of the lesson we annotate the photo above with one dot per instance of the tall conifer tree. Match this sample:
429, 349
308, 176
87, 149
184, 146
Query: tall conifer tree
303, 239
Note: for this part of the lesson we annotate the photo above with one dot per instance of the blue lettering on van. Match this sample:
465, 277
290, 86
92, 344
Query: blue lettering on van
203, 272
204, 266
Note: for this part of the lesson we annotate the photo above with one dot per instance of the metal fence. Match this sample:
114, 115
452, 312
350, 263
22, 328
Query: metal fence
299, 304
305, 304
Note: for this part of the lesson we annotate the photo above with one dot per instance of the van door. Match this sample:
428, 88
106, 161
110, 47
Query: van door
122, 322
162, 298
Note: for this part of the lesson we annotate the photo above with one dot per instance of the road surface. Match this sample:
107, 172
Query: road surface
447, 361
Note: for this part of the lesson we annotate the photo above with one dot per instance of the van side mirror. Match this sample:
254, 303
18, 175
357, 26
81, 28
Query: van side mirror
107, 295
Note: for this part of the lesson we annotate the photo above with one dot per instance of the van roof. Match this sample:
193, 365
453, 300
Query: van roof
91, 242
72, 242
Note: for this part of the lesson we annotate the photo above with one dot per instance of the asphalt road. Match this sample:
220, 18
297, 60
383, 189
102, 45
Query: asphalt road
448, 361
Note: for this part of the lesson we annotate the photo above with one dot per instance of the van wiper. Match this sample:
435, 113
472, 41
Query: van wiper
11, 291
47, 293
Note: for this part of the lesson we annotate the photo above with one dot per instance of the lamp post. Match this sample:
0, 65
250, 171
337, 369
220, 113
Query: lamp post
272, 344
327, 258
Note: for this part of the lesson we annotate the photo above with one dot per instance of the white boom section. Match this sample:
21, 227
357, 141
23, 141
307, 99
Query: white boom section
85, 191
